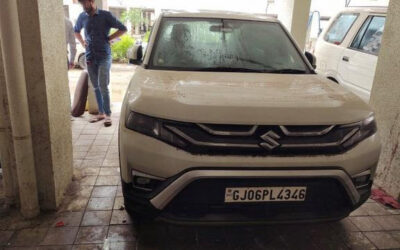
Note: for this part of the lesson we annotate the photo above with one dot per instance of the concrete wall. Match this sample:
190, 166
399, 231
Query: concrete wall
385, 98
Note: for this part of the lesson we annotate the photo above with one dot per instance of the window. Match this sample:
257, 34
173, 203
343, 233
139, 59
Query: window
369, 37
224, 45
339, 28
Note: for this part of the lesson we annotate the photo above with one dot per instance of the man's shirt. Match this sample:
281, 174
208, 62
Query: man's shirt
97, 29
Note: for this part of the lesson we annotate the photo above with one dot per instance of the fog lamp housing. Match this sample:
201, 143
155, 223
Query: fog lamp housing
145, 182
362, 180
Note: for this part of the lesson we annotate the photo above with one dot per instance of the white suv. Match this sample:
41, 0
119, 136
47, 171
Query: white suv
226, 120
347, 51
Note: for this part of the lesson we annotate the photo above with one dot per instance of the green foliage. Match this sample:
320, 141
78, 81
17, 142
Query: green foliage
146, 37
134, 16
120, 48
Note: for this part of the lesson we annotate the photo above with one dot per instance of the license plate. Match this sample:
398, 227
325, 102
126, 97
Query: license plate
265, 194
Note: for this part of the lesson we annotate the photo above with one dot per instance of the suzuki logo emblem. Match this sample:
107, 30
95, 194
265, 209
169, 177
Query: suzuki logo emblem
270, 142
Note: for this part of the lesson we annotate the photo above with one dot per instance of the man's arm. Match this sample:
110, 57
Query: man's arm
80, 39
116, 34
78, 27
116, 24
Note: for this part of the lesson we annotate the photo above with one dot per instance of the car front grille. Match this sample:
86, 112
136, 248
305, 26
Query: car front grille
211, 139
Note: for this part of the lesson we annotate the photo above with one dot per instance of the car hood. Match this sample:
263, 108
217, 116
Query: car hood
243, 98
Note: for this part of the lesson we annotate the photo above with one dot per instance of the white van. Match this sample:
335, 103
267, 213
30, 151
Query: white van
347, 51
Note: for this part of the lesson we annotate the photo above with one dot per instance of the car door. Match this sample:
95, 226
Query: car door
358, 62
329, 47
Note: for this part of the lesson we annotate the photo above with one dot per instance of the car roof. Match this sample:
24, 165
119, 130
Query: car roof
368, 9
221, 15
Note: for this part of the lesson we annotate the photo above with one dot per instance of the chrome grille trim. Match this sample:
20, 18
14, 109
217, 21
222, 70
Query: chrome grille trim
228, 133
208, 144
321, 145
237, 145
315, 133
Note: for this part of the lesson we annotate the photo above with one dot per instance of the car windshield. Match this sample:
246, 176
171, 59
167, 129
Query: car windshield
225, 45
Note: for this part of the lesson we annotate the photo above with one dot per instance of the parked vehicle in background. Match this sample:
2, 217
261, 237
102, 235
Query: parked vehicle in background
80, 58
347, 51
225, 120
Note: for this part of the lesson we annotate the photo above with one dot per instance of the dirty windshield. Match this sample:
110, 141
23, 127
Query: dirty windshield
225, 45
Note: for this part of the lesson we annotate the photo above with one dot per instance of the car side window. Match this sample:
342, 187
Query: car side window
369, 37
340, 27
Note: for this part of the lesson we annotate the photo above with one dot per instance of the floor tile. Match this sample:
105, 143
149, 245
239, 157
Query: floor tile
87, 171
85, 191
60, 236
96, 218
104, 191
109, 171
383, 240
88, 180
64, 247
358, 241
124, 233
111, 163
92, 163
374, 208
101, 203
388, 222
99, 149
95, 234
95, 155
119, 191
81, 148
88, 247
5, 237
119, 203
28, 237
75, 204
121, 245
120, 217
365, 223
84, 142
69, 219
108, 180
87, 137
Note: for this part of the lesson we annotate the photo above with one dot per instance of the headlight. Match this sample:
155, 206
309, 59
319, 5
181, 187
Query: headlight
153, 127
366, 129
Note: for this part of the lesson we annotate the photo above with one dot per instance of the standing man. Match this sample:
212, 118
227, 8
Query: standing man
70, 39
97, 24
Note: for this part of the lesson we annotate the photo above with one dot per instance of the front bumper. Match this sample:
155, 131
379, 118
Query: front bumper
198, 196
181, 171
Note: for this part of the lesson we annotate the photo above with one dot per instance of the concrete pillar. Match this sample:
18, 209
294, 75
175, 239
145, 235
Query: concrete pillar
10, 36
45, 68
294, 16
386, 102
7, 154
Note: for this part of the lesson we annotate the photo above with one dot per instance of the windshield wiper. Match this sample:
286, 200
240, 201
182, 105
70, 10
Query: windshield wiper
231, 69
288, 71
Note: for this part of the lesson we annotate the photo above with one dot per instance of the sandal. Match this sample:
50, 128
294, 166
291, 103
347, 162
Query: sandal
107, 122
96, 118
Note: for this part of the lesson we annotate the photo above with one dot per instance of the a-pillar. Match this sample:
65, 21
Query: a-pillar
294, 16
386, 102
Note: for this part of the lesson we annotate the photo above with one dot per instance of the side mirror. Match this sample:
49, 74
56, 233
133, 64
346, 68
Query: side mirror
311, 58
135, 54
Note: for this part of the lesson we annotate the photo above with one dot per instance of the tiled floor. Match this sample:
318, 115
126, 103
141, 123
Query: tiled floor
93, 217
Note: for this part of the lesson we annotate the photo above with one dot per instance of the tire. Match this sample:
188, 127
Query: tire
82, 61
